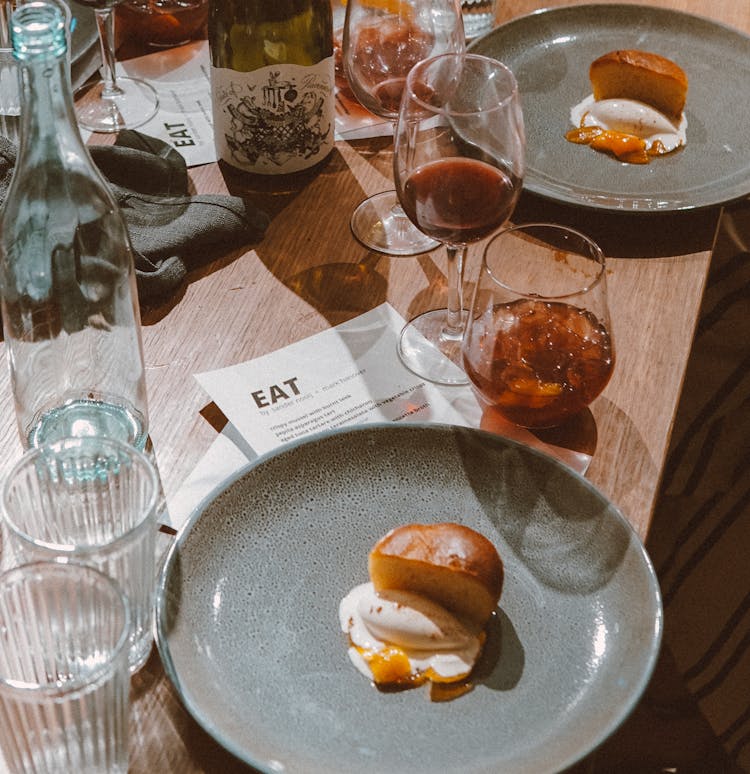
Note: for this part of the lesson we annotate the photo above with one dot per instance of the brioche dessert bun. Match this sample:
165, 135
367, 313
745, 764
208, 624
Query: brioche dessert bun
451, 564
642, 76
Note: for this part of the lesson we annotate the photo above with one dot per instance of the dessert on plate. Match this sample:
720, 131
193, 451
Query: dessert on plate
636, 109
423, 615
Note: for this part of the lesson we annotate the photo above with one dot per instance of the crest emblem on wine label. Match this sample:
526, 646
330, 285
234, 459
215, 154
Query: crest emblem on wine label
276, 119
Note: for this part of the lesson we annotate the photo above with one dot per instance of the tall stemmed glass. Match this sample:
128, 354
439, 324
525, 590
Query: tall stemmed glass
458, 163
383, 40
113, 103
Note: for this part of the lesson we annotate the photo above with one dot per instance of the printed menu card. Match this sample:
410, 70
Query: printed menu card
342, 376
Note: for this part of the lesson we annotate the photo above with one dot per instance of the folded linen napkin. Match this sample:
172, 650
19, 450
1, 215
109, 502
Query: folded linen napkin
171, 231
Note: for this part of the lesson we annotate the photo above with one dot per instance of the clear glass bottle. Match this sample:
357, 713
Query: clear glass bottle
69, 303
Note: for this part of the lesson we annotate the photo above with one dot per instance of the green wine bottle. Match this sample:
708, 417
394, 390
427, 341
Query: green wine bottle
272, 77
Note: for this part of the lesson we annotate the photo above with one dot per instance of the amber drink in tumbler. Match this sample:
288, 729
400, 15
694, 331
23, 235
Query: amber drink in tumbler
163, 23
538, 346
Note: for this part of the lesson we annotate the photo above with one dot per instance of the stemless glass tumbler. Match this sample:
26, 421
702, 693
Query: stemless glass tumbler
163, 23
538, 345
91, 500
10, 99
64, 680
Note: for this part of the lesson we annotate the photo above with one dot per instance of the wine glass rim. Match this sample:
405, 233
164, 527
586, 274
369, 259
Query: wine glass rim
442, 110
597, 255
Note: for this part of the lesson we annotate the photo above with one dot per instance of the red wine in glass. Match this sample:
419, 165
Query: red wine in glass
459, 200
382, 41
458, 166
384, 54
386, 97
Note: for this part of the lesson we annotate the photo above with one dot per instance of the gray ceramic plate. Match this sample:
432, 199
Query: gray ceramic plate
247, 621
550, 52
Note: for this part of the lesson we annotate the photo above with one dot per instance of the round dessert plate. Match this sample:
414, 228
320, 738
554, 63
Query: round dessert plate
550, 52
247, 618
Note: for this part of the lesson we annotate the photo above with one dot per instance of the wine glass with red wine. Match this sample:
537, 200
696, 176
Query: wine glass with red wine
458, 164
114, 102
382, 41
538, 344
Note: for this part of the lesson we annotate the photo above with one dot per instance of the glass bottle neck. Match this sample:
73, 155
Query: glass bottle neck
47, 116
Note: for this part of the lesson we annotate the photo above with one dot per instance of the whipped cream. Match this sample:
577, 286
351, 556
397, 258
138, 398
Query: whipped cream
434, 641
629, 116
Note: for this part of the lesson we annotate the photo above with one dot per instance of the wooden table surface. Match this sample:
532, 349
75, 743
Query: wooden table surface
309, 273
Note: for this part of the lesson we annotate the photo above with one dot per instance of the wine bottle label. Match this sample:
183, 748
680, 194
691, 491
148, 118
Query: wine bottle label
275, 120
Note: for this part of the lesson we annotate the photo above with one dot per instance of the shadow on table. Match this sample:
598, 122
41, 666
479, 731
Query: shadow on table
156, 310
284, 248
694, 713
627, 234
665, 733
205, 754
340, 283
341, 290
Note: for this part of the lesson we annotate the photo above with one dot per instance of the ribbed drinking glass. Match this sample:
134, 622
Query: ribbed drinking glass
64, 681
90, 500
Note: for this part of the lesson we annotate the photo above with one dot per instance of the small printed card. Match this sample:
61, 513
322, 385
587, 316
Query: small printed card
350, 374
181, 79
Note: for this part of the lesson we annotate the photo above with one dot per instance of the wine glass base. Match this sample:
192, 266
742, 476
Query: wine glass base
134, 103
380, 224
427, 349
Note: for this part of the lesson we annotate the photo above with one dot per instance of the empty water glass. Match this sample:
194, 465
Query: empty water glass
64, 680
92, 500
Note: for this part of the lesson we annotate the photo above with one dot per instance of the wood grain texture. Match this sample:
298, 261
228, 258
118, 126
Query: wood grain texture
309, 273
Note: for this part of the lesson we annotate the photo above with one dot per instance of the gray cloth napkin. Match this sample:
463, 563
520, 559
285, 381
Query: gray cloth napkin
171, 231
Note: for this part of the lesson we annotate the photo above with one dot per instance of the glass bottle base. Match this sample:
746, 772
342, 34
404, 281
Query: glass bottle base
259, 187
84, 417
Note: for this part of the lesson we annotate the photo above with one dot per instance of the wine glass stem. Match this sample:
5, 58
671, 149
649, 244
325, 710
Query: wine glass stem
454, 318
105, 21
